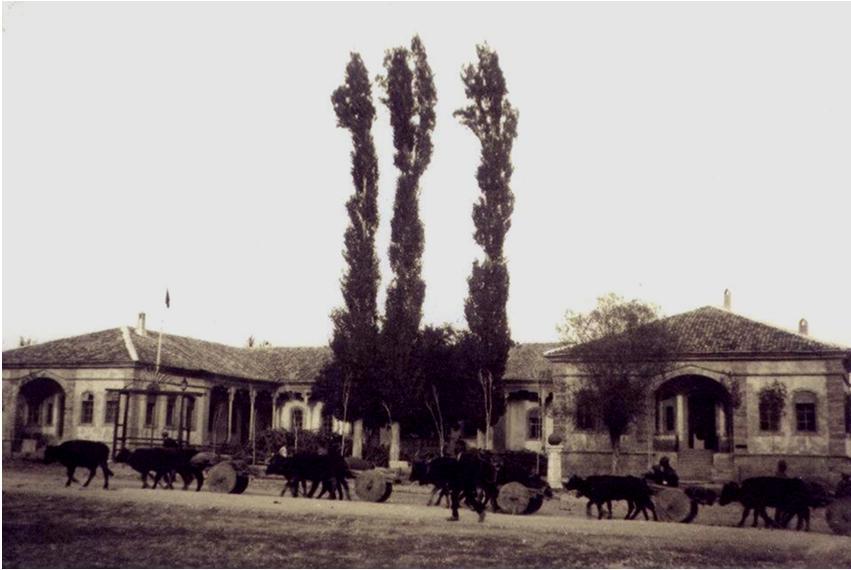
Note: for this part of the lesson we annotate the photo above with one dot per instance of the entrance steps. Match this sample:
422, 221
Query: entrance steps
705, 465
694, 463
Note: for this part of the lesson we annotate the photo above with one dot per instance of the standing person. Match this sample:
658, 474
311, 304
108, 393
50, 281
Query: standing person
781, 470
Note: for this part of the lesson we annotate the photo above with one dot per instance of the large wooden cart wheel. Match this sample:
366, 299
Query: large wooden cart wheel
226, 478
838, 515
673, 505
513, 498
373, 486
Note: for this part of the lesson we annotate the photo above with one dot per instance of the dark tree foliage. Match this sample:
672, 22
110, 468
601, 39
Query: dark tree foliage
440, 395
348, 382
493, 120
620, 347
410, 99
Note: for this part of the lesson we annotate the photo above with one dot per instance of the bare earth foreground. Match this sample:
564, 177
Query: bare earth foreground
48, 525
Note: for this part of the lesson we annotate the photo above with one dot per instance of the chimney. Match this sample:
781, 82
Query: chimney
803, 327
728, 300
140, 327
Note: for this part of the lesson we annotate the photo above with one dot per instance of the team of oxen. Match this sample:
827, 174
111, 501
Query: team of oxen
472, 477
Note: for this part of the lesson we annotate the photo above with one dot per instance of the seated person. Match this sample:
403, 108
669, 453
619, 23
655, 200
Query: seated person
663, 474
168, 441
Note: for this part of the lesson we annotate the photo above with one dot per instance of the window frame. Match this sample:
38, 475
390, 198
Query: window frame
87, 409
301, 414
110, 405
150, 416
534, 423
806, 411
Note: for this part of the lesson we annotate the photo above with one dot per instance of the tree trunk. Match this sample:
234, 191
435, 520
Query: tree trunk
616, 455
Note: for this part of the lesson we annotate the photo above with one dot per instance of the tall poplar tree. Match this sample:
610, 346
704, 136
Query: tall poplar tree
410, 99
347, 383
493, 120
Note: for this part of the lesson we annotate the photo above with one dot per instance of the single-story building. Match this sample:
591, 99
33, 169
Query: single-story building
710, 414
80, 387
707, 414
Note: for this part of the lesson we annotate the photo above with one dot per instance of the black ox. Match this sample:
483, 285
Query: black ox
791, 497
163, 463
80, 453
330, 471
601, 489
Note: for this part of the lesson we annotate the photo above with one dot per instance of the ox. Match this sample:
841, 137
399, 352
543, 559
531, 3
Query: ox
80, 453
791, 497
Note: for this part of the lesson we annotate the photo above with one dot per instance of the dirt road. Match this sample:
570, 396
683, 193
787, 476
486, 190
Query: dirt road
402, 532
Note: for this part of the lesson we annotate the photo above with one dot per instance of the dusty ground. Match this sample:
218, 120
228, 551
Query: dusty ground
48, 525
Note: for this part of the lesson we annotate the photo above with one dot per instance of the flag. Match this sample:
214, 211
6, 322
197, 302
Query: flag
167, 300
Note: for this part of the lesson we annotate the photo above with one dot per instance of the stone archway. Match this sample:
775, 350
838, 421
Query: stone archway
694, 421
39, 413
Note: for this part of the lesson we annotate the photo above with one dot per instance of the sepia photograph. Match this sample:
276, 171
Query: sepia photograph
426, 284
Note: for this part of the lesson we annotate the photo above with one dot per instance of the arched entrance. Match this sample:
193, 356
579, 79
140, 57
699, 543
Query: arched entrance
40, 413
694, 420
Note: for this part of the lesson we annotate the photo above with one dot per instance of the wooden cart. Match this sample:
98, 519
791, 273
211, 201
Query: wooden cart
517, 499
673, 505
373, 485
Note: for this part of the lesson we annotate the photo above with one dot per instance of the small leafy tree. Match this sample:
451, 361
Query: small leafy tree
772, 406
619, 348
493, 120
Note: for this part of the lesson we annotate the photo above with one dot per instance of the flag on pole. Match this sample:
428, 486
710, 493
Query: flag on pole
167, 300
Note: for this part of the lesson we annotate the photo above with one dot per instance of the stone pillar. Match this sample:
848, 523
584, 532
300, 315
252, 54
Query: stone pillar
554, 475
682, 432
252, 429
231, 394
394, 442
275, 409
357, 439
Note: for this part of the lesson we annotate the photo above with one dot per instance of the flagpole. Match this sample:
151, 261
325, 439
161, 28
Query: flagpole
160, 340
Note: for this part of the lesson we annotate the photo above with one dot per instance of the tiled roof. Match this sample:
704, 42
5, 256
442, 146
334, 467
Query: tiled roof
526, 361
191, 354
295, 364
183, 353
712, 331
98, 348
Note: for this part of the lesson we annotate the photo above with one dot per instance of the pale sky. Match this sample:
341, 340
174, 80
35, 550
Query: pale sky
665, 152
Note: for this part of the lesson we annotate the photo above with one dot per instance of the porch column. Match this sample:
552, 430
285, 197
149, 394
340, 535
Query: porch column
275, 420
682, 434
231, 394
394, 442
357, 439
252, 430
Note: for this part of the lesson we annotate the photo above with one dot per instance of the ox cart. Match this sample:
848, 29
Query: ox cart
515, 498
673, 504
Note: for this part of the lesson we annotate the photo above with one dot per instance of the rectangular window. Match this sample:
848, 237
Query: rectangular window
670, 420
806, 417
848, 413
189, 423
584, 419
170, 404
34, 415
87, 409
769, 418
48, 412
533, 431
110, 410
150, 410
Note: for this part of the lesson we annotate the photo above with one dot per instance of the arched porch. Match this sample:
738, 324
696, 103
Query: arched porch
694, 423
39, 414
